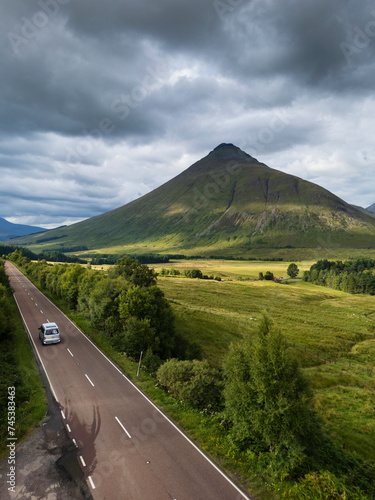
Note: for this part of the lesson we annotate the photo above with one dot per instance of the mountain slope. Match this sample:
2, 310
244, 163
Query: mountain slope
9, 230
371, 208
226, 201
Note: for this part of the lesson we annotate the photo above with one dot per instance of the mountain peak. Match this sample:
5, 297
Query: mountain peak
228, 151
225, 145
9, 230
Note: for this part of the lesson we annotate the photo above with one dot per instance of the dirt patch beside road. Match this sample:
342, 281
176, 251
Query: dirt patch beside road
46, 464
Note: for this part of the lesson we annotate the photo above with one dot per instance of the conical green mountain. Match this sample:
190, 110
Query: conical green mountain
226, 203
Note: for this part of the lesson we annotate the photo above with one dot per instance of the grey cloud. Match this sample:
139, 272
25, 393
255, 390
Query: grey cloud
94, 91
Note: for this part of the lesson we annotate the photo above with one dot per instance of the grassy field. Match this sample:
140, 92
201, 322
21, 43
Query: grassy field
233, 269
331, 332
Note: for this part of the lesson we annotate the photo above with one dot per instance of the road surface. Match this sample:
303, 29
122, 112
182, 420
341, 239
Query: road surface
127, 448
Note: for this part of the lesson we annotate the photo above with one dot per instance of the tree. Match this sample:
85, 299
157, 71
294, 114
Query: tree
6, 313
292, 270
268, 399
150, 304
134, 271
137, 337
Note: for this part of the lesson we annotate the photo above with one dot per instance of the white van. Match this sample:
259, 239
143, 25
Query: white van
49, 333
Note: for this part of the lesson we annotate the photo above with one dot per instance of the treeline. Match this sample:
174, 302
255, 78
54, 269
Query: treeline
353, 276
197, 273
123, 303
250, 259
148, 258
189, 273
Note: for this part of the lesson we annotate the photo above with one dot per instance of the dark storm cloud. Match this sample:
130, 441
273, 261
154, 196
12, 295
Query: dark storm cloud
91, 87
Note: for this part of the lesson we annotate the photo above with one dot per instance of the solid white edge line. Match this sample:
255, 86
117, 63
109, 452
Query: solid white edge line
129, 436
91, 482
88, 378
222, 473
82, 461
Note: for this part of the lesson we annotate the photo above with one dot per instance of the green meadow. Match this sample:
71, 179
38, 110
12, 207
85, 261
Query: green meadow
233, 269
332, 333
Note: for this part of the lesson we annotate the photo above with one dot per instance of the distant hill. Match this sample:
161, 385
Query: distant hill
227, 203
371, 208
9, 230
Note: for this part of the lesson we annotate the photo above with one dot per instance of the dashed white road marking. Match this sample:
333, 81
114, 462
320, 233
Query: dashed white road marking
92, 483
82, 461
127, 433
70, 352
69, 429
63, 414
88, 378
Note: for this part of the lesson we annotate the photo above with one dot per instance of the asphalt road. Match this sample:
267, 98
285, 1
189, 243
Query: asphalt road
127, 448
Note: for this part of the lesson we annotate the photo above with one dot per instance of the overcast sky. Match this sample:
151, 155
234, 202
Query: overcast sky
101, 102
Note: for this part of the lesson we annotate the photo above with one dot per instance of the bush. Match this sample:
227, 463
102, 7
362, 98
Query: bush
193, 273
316, 486
269, 276
194, 382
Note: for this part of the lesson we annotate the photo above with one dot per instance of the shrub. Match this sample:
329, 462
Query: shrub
194, 382
319, 485
269, 276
